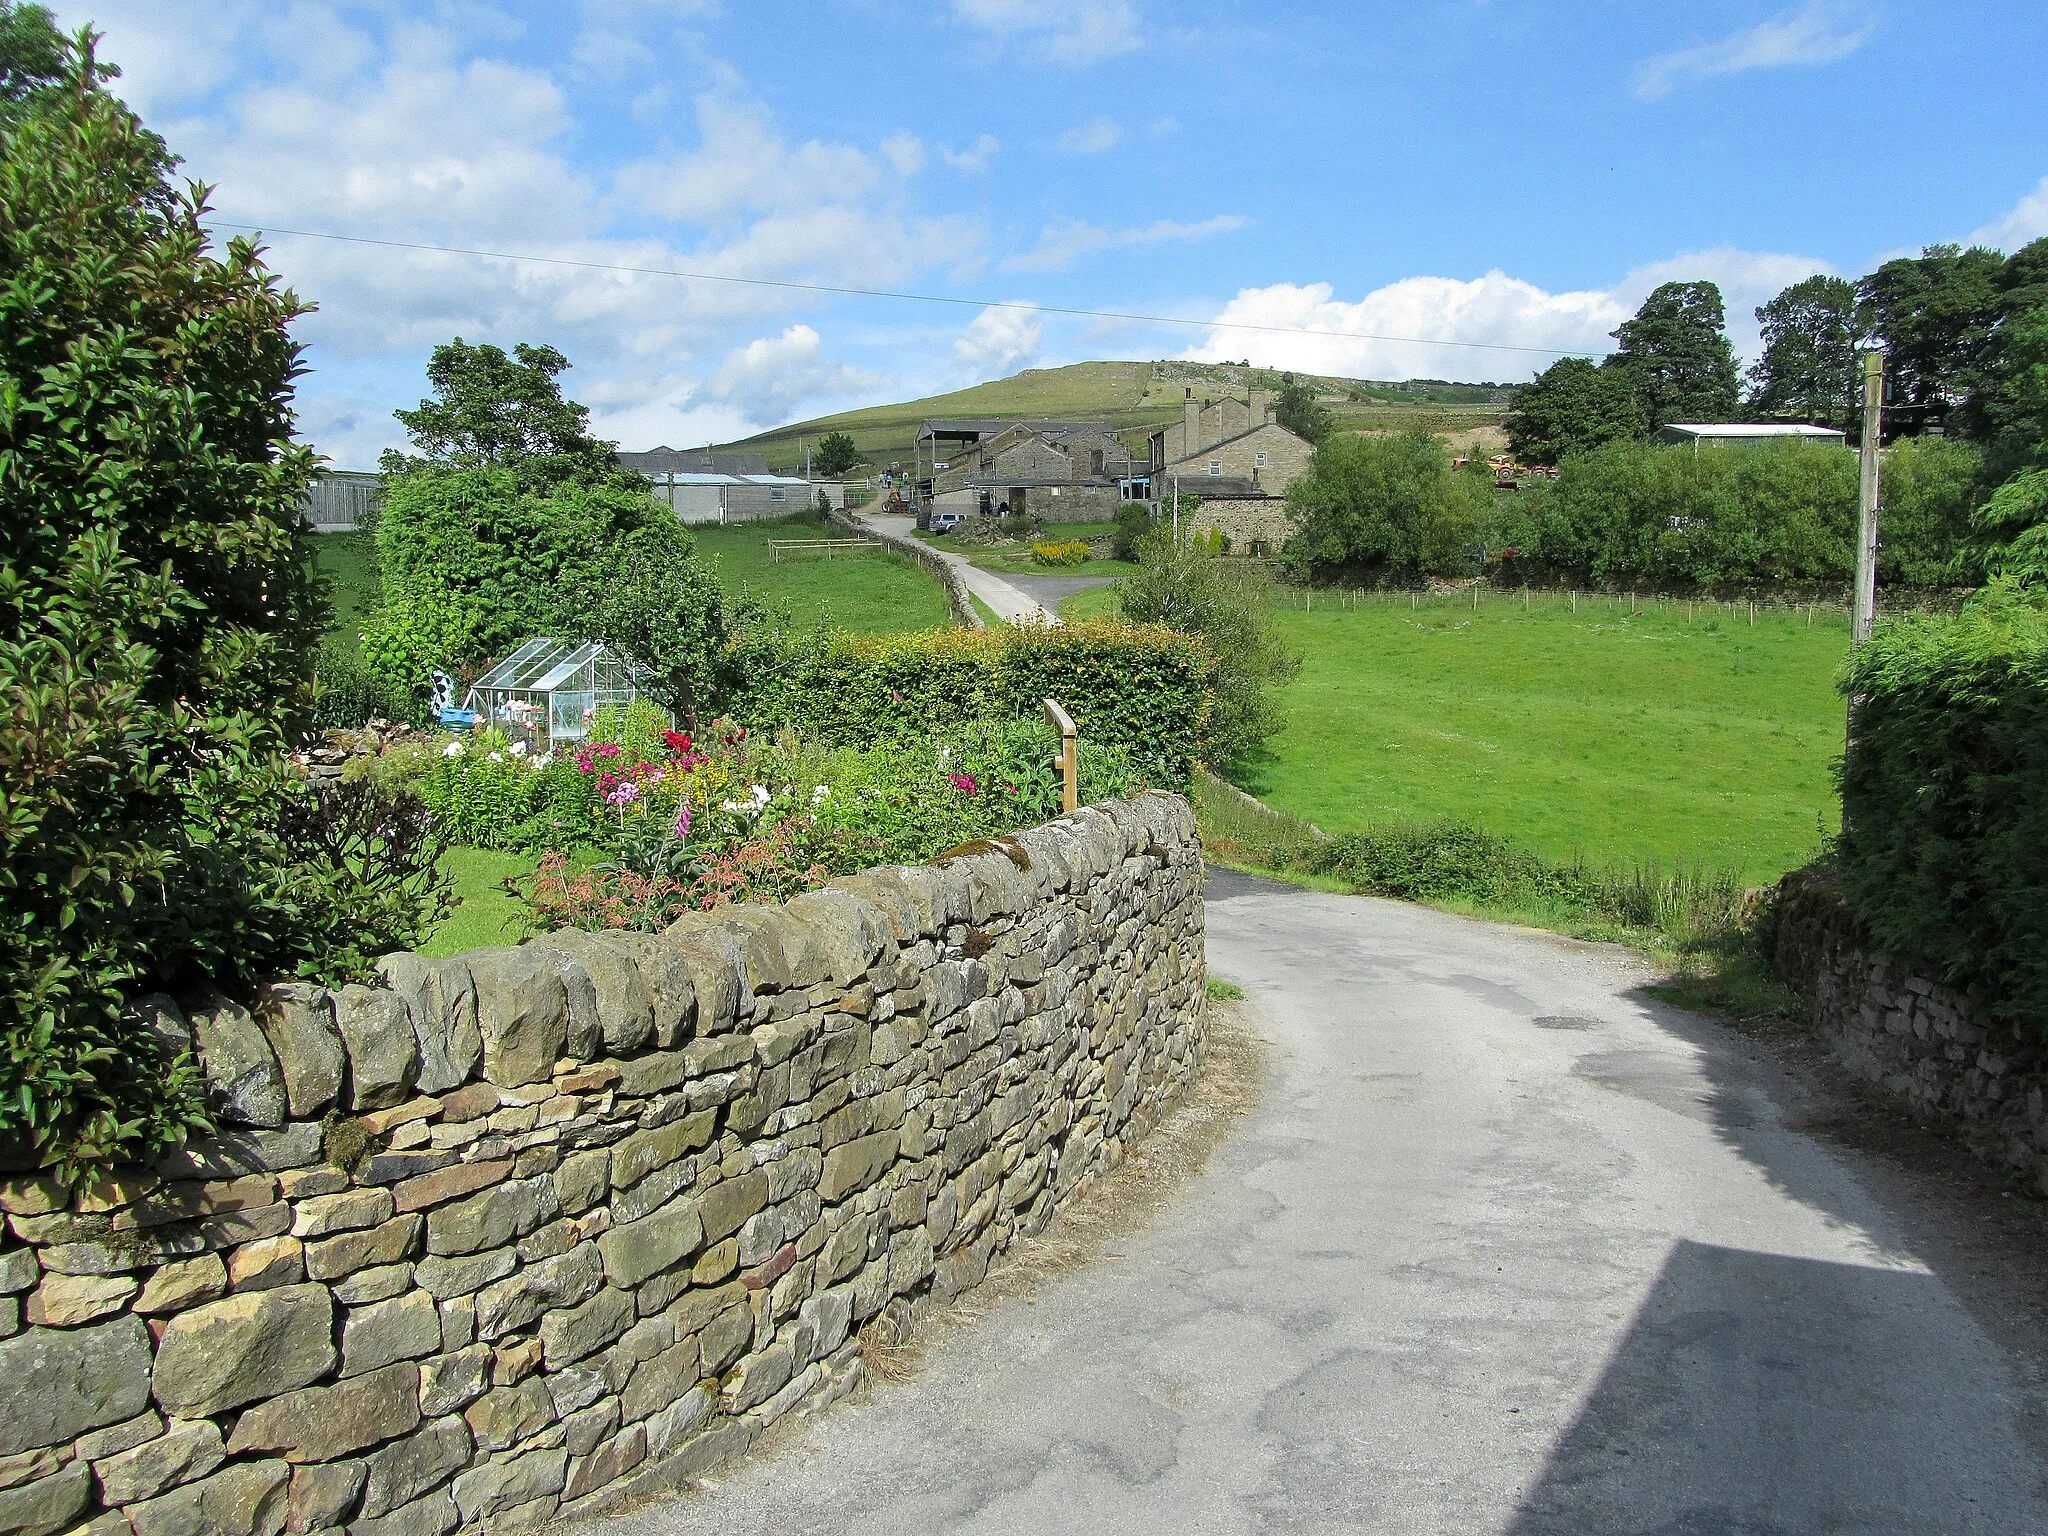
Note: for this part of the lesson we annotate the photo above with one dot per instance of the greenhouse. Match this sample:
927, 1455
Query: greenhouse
550, 690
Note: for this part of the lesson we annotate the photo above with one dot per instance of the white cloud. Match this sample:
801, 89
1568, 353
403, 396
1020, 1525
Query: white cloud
1820, 32
2027, 221
905, 154
975, 158
770, 376
1066, 241
743, 165
997, 342
1421, 313
1090, 138
1066, 31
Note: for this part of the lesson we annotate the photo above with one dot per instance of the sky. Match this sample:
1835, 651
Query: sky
1366, 180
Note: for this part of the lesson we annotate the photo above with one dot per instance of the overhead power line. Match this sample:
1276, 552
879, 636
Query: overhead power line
891, 293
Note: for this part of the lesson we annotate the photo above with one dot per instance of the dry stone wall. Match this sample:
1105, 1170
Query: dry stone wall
1925, 1043
524, 1231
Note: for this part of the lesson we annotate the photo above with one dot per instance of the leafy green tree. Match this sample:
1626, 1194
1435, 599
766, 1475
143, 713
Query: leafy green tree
156, 621
475, 564
1384, 509
1935, 313
492, 411
1809, 366
646, 599
32, 52
1931, 495
1184, 586
1676, 354
1301, 411
836, 454
1571, 406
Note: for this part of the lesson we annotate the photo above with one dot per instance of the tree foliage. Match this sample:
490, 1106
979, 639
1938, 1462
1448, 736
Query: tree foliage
492, 411
836, 454
1935, 313
1809, 367
1301, 411
1928, 528
1676, 354
647, 599
1185, 586
1384, 509
1571, 406
32, 52
156, 621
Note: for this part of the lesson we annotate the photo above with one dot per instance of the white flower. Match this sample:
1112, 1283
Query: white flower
821, 794
497, 757
453, 749
728, 805
540, 762
519, 749
760, 797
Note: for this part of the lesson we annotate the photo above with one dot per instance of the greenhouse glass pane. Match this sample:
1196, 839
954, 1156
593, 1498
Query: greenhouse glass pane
568, 714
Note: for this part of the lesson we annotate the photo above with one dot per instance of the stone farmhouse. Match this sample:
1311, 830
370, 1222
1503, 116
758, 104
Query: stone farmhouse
1238, 460
1057, 471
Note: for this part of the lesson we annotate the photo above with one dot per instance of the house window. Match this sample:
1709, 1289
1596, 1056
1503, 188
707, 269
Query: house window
1095, 461
1258, 461
1215, 466
778, 495
1055, 490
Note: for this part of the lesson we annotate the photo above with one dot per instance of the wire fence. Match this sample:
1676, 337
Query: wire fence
1813, 609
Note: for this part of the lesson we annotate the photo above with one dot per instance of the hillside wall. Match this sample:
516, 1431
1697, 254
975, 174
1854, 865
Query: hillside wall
1925, 1043
525, 1231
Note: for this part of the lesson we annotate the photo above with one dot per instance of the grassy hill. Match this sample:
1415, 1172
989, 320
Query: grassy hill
1135, 398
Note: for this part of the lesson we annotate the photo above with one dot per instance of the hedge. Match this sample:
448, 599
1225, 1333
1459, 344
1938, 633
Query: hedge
1138, 686
1945, 802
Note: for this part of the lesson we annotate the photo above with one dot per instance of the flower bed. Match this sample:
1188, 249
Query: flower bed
682, 822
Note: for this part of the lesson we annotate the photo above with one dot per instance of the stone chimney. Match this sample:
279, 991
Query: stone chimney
1191, 440
1259, 410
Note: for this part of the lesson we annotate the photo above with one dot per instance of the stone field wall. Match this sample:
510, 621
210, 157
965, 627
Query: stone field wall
529, 1230
1925, 1043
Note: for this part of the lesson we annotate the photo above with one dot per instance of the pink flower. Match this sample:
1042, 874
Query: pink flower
683, 819
624, 795
964, 782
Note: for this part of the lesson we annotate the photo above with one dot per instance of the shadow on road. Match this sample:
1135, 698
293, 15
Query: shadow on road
1740, 1402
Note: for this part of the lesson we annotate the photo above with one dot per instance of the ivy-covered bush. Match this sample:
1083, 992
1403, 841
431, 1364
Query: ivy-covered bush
1060, 552
1945, 799
156, 618
1140, 688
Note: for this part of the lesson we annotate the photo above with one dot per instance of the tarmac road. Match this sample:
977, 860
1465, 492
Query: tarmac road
1505, 1247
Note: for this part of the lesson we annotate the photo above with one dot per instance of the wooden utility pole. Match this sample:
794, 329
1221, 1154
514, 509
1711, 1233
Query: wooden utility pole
1863, 608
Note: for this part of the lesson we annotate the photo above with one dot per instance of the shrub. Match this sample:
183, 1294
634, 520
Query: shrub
1182, 584
156, 616
1684, 519
1140, 687
1375, 509
1061, 552
1945, 800
362, 876
475, 563
1133, 522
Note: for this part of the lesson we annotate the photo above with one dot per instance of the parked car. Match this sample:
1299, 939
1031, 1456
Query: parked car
946, 522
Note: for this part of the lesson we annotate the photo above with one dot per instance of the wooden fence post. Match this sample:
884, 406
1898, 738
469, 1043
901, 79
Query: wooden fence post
1070, 755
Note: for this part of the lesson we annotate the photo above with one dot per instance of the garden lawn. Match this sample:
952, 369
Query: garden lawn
1015, 558
1618, 736
355, 585
868, 593
488, 914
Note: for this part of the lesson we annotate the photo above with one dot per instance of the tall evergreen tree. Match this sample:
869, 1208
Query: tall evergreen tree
1809, 364
1678, 356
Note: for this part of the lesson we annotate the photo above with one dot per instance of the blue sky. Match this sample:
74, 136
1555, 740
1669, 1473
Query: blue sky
1456, 170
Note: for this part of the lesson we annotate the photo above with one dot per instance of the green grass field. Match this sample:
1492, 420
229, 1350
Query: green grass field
866, 593
1615, 735
348, 563
1015, 558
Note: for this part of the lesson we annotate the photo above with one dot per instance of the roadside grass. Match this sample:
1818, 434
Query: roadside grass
989, 616
876, 593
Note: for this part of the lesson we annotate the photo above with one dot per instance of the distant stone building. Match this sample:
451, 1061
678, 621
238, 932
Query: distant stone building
656, 462
1238, 460
1057, 471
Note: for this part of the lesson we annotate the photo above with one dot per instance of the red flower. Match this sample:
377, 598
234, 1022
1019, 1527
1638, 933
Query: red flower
678, 742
